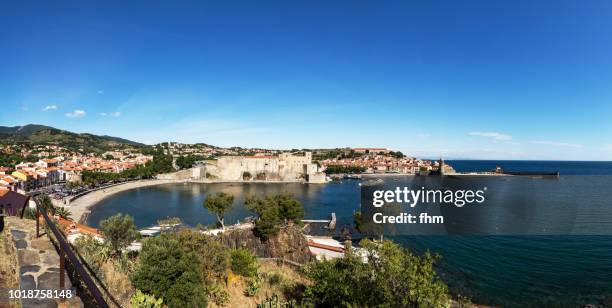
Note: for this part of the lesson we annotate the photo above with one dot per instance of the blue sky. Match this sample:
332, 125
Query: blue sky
458, 79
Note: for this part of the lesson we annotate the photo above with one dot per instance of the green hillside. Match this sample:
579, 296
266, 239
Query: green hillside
44, 135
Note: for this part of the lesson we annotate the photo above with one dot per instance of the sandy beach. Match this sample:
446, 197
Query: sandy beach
80, 206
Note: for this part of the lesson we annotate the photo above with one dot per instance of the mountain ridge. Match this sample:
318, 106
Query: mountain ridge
36, 134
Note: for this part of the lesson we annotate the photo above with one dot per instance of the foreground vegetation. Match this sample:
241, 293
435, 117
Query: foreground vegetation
187, 268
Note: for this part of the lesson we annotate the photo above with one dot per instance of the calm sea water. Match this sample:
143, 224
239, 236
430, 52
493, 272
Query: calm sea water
512, 271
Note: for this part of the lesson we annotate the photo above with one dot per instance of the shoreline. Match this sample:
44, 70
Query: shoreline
80, 206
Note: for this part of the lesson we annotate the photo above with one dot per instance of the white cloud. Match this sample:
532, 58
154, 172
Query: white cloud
607, 148
100, 91
49, 107
557, 144
76, 114
115, 114
494, 135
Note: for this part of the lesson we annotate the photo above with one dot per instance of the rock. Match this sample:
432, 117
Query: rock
50, 259
41, 243
18, 235
289, 244
50, 280
29, 269
21, 244
26, 282
27, 257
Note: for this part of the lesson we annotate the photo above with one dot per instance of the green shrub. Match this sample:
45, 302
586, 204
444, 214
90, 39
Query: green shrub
274, 302
141, 300
253, 286
29, 213
244, 263
213, 256
275, 279
94, 252
391, 277
119, 231
218, 295
167, 271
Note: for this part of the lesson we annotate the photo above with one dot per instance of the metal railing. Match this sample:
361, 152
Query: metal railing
65, 250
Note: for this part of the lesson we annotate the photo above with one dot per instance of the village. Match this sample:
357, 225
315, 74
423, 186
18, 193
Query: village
46, 165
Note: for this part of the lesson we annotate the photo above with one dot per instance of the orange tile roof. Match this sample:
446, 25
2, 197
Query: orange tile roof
71, 225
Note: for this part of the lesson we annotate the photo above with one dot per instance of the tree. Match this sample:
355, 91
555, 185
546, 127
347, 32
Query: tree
273, 211
389, 277
63, 212
357, 220
167, 271
119, 231
219, 204
47, 204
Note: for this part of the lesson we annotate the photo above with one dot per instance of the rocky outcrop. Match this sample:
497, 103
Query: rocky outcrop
289, 244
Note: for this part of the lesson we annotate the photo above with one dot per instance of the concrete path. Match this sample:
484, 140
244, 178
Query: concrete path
38, 264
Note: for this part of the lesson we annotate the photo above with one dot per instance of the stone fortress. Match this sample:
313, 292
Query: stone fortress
287, 167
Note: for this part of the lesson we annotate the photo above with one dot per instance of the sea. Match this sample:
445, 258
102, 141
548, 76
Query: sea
499, 270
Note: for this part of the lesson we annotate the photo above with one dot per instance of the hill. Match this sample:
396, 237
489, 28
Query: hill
45, 135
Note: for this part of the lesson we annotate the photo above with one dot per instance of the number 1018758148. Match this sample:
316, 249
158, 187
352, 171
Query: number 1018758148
41, 294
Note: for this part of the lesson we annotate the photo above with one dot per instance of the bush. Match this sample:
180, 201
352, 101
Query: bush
141, 300
119, 231
244, 263
391, 277
275, 279
253, 286
274, 302
29, 213
213, 256
218, 295
94, 252
167, 271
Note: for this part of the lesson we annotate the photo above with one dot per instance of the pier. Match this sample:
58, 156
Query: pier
331, 223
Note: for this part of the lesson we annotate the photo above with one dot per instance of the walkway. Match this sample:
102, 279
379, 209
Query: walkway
38, 264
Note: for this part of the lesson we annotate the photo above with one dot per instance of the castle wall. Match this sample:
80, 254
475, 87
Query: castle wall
285, 167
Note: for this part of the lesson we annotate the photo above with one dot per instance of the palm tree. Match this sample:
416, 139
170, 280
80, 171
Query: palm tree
47, 205
63, 212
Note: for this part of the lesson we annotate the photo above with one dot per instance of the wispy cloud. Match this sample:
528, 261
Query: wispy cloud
115, 114
76, 114
557, 144
49, 107
493, 135
607, 148
100, 91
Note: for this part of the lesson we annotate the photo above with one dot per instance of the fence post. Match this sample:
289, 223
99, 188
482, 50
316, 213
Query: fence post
37, 220
61, 266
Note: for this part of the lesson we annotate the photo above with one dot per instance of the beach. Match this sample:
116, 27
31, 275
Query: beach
79, 207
